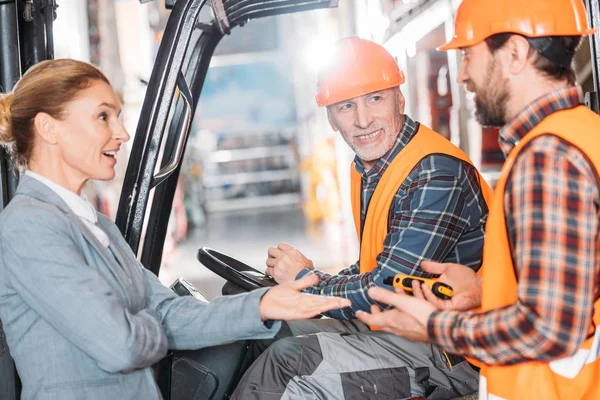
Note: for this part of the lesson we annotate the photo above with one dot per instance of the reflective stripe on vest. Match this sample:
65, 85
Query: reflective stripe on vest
483, 393
569, 367
570, 378
424, 143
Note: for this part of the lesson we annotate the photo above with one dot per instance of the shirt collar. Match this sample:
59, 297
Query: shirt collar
78, 204
408, 130
534, 113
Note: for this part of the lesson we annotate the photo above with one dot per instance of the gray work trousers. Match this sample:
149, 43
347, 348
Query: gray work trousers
331, 359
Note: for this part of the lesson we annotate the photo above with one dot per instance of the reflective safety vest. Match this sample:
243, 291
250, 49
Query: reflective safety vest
571, 378
424, 143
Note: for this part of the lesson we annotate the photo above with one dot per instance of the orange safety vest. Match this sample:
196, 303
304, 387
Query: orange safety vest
571, 378
424, 143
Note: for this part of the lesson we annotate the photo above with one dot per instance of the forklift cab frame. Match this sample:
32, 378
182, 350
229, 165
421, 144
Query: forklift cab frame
158, 148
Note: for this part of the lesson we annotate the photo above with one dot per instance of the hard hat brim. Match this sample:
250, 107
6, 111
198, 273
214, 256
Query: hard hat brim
359, 90
457, 44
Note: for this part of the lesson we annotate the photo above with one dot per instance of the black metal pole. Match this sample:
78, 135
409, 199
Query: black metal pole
32, 33
592, 98
10, 71
49, 11
593, 8
9, 46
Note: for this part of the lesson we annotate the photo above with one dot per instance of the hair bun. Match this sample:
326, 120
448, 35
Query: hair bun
6, 136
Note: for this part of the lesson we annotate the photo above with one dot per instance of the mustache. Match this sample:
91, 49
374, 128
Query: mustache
367, 131
470, 86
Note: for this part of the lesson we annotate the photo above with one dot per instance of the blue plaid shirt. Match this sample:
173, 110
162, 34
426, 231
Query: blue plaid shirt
437, 214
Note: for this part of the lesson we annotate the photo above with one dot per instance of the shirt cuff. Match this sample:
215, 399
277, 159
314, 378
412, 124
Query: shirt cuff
303, 273
440, 327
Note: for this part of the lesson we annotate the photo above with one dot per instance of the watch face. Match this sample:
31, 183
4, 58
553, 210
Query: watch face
198, 294
184, 288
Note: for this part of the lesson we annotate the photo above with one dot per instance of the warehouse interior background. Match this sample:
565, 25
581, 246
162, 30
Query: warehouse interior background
263, 165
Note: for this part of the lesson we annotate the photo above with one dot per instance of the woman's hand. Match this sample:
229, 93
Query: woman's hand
286, 302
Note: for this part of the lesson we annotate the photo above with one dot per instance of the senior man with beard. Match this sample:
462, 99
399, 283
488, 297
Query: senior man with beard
415, 197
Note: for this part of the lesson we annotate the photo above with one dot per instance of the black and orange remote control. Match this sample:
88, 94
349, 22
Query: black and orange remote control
439, 289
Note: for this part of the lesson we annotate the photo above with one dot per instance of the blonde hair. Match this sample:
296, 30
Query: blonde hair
46, 87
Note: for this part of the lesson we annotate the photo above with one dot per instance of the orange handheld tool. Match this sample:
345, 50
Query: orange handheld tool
439, 289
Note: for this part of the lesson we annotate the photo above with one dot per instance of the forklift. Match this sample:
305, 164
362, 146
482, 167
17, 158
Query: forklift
193, 31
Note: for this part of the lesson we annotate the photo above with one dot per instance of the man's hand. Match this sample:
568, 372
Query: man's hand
465, 283
285, 262
286, 302
408, 318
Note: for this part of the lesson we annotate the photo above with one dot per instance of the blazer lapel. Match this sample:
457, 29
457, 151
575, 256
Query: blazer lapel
128, 263
114, 264
31, 187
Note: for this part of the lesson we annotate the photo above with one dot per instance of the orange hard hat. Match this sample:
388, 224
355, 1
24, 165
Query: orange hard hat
357, 67
476, 20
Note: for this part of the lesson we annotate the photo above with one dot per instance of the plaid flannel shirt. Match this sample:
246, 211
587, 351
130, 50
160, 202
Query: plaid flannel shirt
552, 205
437, 214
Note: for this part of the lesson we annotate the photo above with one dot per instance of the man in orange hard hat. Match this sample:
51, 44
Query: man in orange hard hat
415, 197
538, 330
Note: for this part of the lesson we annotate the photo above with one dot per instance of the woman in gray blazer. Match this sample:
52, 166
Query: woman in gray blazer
83, 319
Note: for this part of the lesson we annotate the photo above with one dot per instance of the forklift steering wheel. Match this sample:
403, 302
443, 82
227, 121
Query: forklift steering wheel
233, 271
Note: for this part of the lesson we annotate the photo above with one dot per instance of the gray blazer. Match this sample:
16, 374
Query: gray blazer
81, 325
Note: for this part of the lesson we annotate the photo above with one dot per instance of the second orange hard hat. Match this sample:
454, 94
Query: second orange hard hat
357, 67
476, 20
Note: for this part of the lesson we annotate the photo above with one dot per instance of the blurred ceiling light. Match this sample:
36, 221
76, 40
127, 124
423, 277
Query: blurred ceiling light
371, 20
442, 81
317, 53
411, 49
413, 31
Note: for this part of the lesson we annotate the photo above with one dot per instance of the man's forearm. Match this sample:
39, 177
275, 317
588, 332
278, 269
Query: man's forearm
502, 336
